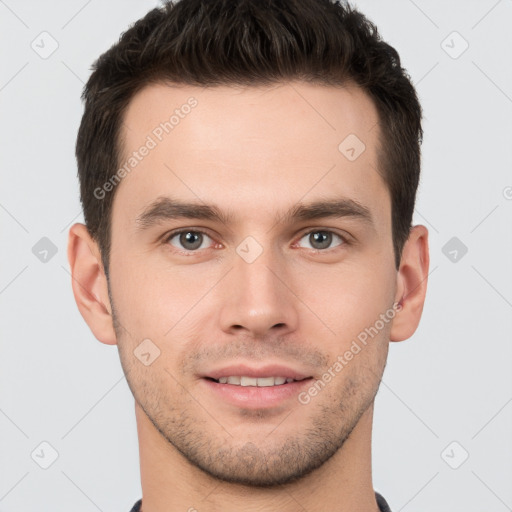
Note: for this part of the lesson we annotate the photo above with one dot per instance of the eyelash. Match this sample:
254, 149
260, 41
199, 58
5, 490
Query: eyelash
172, 234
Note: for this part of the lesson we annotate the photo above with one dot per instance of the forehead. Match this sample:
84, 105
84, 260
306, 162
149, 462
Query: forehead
251, 147
310, 110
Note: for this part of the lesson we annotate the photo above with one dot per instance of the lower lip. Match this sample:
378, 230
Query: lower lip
254, 397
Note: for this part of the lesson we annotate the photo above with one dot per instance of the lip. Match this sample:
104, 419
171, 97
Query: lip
273, 370
254, 397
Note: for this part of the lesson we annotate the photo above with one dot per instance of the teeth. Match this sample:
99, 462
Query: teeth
265, 381
253, 381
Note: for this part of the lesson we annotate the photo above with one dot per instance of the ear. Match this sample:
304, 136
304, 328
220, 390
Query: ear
411, 284
89, 283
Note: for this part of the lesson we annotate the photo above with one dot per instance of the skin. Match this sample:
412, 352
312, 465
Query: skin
253, 151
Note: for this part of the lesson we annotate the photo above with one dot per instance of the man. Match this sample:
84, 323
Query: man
248, 173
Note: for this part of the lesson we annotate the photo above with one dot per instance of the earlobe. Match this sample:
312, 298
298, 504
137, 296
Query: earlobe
411, 284
89, 283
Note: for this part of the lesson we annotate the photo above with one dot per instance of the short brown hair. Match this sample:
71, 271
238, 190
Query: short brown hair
249, 42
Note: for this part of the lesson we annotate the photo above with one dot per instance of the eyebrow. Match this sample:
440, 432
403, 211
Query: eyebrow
167, 208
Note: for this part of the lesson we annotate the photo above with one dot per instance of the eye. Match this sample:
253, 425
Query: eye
189, 239
321, 239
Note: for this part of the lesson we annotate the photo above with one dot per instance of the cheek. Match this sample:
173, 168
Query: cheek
346, 299
154, 301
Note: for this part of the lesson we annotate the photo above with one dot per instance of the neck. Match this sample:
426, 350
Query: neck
171, 483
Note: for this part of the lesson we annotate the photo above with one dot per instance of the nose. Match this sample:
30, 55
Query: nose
259, 297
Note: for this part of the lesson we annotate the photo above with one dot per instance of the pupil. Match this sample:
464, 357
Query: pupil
187, 238
323, 238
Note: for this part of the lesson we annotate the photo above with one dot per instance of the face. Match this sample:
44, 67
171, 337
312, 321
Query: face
268, 281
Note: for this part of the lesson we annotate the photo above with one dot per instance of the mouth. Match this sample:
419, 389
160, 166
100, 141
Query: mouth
252, 393
261, 382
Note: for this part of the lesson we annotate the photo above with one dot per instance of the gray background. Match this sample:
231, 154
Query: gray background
446, 392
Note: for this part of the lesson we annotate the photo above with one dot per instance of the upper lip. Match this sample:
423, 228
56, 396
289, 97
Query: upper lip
241, 370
